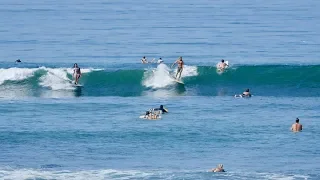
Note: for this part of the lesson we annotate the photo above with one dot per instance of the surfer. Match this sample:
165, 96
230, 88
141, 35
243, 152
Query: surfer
160, 61
296, 127
219, 168
151, 115
18, 61
144, 60
222, 65
180, 66
246, 93
161, 109
76, 73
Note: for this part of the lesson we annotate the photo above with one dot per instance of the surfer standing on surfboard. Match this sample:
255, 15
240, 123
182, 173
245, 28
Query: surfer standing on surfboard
76, 73
180, 66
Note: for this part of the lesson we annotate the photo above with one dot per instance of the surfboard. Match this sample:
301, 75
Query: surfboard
241, 96
75, 85
179, 82
144, 117
174, 78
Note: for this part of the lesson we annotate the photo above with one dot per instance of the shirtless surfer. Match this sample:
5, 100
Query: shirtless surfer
246, 93
180, 67
219, 168
76, 73
222, 65
296, 127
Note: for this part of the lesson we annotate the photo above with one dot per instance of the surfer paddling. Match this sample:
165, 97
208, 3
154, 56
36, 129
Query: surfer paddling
180, 67
219, 168
76, 73
221, 66
144, 60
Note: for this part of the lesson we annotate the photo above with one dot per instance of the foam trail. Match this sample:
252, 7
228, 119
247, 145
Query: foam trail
56, 79
15, 74
159, 78
188, 71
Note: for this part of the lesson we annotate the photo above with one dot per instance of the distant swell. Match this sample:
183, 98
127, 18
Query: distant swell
263, 80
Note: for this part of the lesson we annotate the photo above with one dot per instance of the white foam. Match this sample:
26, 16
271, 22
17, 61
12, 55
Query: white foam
76, 175
57, 79
158, 78
188, 71
15, 74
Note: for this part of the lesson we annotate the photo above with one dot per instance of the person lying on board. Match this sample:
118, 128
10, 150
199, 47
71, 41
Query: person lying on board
222, 65
219, 168
151, 115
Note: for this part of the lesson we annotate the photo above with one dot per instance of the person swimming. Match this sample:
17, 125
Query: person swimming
296, 127
18, 61
246, 93
219, 168
76, 73
161, 109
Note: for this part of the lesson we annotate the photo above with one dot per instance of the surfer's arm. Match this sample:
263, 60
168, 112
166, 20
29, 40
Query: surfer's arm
173, 64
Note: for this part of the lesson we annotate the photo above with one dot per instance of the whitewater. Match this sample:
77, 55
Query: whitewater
50, 129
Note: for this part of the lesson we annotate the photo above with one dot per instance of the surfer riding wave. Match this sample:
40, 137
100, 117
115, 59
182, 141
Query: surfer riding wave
76, 73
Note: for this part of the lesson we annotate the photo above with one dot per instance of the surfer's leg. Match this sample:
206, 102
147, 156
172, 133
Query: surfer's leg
77, 78
180, 73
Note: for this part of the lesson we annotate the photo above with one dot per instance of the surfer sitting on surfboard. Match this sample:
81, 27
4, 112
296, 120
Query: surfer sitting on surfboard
180, 67
222, 65
76, 73
161, 109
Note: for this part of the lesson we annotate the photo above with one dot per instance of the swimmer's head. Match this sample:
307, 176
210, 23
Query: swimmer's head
144, 57
160, 58
161, 106
222, 60
297, 120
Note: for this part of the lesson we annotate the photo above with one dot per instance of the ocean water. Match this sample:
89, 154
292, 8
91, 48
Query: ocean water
50, 129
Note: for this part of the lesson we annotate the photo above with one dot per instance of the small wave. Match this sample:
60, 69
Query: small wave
264, 80
12, 174
15, 74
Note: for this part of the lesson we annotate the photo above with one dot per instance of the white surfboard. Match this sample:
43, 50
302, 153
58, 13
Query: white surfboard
179, 82
144, 117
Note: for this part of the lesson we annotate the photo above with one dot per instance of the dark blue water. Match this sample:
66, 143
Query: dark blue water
50, 129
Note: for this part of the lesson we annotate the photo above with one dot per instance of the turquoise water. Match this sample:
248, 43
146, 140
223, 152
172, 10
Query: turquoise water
50, 129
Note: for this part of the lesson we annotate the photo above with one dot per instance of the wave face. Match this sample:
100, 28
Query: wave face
263, 80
